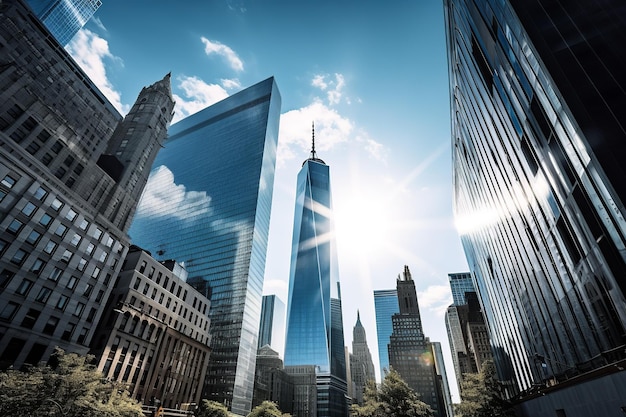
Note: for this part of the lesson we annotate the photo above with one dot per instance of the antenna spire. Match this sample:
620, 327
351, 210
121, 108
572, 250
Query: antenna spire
313, 137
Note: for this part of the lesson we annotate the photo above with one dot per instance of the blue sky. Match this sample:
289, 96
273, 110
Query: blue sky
374, 80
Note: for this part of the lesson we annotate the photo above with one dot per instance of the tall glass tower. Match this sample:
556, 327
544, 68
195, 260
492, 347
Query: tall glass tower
539, 143
386, 305
207, 203
460, 283
64, 18
272, 325
314, 333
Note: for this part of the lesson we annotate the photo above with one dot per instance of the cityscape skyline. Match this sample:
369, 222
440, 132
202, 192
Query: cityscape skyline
390, 162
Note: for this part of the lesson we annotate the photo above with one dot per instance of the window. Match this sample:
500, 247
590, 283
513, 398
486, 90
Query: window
38, 266
62, 303
137, 282
60, 230
24, 287
71, 284
50, 247
71, 215
99, 296
30, 318
109, 241
29, 209
9, 310
40, 194
19, 257
96, 272
88, 290
5, 277
2, 195
84, 224
56, 147
67, 256
46, 159
45, 220
82, 264
33, 237
91, 315
55, 274
67, 334
56, 204
82, 335
51, 325
90, 248
15, 226
8, 181
75, 239
80, 307
69, 160
97, 233
43, 295
103, 257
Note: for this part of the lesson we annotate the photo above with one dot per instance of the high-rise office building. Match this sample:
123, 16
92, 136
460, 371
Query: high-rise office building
410, 351
442, 380
64, 195
272, 325
314, 333
385, 305
207, 204
64, 18
537, 93
361, 365
460, 283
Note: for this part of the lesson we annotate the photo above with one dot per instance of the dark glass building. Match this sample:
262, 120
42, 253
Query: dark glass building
386, 305
272, 325
71, 171
314, 333
539, 142
64, 18
207, 204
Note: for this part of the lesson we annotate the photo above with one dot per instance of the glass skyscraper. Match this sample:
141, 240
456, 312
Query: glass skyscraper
386, 305
64, 18
272, 325
314, 333
207, 204
460, 283
539, 144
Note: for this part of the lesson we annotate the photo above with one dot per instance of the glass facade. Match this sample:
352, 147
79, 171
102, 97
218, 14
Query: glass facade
538, 151
460, 284
386, 305
314, 334
64, 18
207, 204
272, 326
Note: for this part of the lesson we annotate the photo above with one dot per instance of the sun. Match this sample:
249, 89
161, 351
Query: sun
362, 224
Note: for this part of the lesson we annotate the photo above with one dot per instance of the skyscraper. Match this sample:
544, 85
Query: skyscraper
460, 283
386, 305
410, 352
314, 333
207, 204
538, 137
66, 197
64, 18
272, 325
361, 366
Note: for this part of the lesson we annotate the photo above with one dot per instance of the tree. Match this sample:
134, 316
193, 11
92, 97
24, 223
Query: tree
72, 387
482, 395
265, 409
211, 409
394, 398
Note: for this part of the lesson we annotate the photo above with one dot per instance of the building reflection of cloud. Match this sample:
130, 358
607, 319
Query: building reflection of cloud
162, 197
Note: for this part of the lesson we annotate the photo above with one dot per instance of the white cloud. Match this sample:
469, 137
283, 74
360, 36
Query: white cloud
295, 130
332, 87
231, 84
162, 197
376, 149
214, 47
197, 96
436, 298
90, 51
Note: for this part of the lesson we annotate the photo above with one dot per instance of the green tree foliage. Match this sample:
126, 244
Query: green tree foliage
394, 398
482, 395
72, 388
211, 409
265, 409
